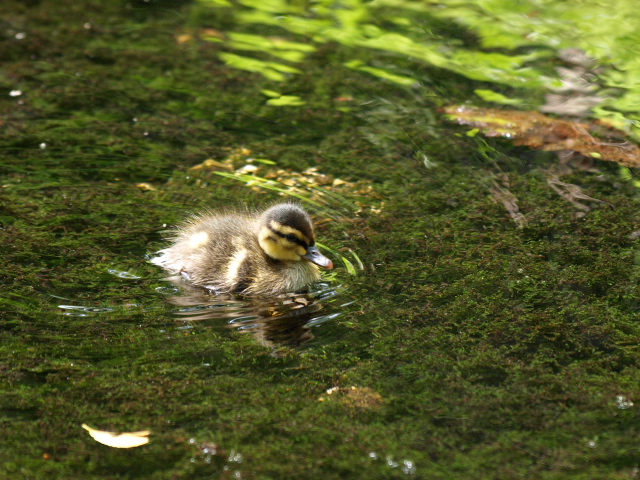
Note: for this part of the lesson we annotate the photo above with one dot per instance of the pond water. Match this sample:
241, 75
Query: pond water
482, 318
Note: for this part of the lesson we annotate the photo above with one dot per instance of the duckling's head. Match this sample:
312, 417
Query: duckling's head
286, 233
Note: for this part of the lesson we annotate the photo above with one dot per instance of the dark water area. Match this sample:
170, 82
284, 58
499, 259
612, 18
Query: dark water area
481, 321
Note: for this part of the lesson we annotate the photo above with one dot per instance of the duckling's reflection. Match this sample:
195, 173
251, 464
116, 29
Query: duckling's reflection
282, 321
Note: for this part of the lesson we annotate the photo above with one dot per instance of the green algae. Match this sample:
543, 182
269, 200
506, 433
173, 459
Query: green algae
497, 352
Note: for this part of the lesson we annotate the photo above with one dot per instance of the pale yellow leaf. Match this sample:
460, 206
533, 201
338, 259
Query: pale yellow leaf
122, 440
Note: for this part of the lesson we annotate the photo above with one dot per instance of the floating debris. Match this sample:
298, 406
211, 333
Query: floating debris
535, 130
571, 193
502, 194
354, 397
122, 440
240, 165
145, 186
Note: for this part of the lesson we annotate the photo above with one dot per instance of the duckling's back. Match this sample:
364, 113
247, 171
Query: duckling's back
212, 251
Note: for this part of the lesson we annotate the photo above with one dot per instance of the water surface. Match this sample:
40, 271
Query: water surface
451, 341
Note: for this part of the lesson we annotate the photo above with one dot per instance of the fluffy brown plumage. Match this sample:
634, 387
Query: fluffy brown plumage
270, 253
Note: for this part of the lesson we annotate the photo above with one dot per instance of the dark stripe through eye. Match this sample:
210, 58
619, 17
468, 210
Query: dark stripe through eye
289, 236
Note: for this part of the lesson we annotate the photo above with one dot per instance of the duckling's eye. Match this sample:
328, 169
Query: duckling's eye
292, 238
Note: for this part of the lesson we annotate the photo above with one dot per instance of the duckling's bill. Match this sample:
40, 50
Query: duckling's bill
314, 256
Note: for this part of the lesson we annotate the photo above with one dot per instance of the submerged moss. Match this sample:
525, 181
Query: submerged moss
479, 349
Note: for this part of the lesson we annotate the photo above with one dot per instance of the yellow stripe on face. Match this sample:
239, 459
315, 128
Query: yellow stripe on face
277, 247
287, 230
198, 239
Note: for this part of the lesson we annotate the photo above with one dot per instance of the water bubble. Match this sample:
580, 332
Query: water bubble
43, 146
373, 455
15, 93
390, 462
408, 467
235, 457
623, 402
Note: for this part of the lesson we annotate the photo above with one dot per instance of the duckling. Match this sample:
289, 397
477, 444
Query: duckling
268, 254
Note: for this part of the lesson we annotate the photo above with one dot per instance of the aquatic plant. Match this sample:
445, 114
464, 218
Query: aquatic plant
509, 44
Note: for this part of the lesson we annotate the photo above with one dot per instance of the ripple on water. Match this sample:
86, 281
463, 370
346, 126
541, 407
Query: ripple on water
285, 320
124, 274
81, 311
